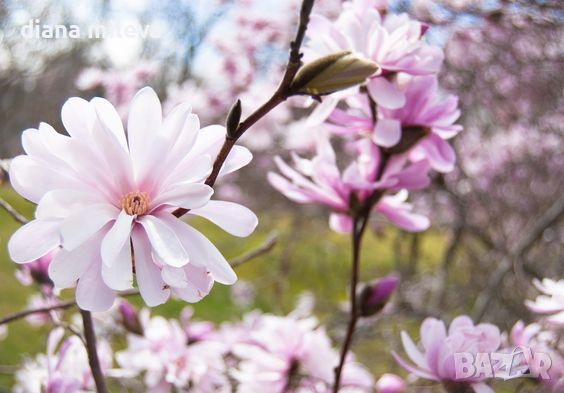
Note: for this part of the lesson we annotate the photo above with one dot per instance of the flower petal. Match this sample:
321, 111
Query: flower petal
81, 225
116, 238
186, 195
232, 217
34, 240
164, 241
386, 93
149, 281
119, 275
92, 294
387, 132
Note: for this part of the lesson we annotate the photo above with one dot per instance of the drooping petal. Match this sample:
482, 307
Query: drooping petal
92, 294
232, 217
68, 266
119, 274
116, 238
238, 157
164, 241
202, 252
34, 240
149, 281
403, 217
341, 223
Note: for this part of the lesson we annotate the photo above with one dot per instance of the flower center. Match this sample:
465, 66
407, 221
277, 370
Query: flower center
135, 203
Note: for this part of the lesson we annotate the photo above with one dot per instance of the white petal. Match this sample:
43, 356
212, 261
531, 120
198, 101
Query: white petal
186, 195
174, 276
61, 203
149, 281
80, 226
232, 217
202, 252
92, 294
143, 122
164, 241
78, 117
68, 266
237, 158
119, 275
110, 117
34, 240
116, 238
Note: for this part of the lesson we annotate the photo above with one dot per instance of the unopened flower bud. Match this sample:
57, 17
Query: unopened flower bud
233, 119
390, 383
332, 73
129, 318
374, 296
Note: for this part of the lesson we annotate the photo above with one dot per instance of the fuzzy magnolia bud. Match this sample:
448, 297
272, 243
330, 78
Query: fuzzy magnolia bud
374, 296
129, 318
233, 119
331, 73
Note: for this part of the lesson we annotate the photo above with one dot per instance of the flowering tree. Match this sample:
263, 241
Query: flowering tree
361, 85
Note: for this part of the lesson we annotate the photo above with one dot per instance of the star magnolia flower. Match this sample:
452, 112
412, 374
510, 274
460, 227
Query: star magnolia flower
425, 109
437, 363
105, 196
63, 369
395, 43
289, 354
320, 181
551, 303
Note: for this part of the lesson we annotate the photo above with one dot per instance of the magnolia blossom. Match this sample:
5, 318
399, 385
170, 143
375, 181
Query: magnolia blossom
104, 196
437, 362
423, 124
63, 369
390, 383
288, 354
319, 180
393, 42
533, 337
162, 353
551, 303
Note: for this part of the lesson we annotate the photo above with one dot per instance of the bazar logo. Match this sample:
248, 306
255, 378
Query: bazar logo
520, 362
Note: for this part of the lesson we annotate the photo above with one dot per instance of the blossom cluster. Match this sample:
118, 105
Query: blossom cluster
396, 125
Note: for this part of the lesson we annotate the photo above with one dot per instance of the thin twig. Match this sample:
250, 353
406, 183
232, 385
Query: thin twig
280, 95
90, 337
13, 212
264, 248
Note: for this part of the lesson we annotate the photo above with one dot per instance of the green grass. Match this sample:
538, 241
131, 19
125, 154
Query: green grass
308, 257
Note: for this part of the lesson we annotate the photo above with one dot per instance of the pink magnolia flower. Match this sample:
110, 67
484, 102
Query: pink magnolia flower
395, 43
436, 362
320, 181
104, 196
551, 303
162, 353
63, 369
288, 354
425, 109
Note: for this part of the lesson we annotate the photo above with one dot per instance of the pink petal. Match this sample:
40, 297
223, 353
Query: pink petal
61, 203
403, 218
186, 195
322, 111
412, 351
387, 132
232, 217
237, 158
78, 117
34, 240
119, 274
439, 153
386, 93
109, 116
341, 223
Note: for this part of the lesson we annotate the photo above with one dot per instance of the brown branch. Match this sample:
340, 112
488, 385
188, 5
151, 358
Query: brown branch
280, 95
531, 234
13, 212
90, 337
264, 248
